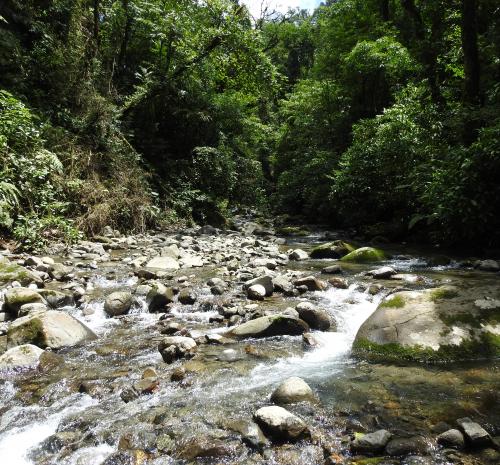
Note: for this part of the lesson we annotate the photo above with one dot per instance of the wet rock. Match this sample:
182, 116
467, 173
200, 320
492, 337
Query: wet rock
439, 260
282, 284
206, 447
372, 442
52, 329
256, 292
15, 298
23, 356
292, 390
126, 457
364, 255
488, 265
178, 374
149, 372
118, 303
10, 271
298, 255
264, 281
61, 272
250, 433
267, 326
280, 424
171, 328
336, 249
129, 394
406, 446
333, 269
159, 297
146, 385
314, 317
312, 283
474, 433
187, 297
229, 355
58, 441
176, 347
339, 283
384, 272
163, 263
310, 340
218, 339
57, 299
451, 438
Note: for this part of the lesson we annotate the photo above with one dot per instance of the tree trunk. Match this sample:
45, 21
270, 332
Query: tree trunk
470, 51
96, 24
384, 10
126, 37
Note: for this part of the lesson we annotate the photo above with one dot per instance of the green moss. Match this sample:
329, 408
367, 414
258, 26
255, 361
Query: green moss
364, 255
487, 346
477, 320
395, 302
445, 292
335, 249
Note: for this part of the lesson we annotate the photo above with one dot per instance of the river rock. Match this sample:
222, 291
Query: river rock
60, 272
312, 283
382, 273
371, 442
451, 438
52, 329
429, 325
31, 309
339, 283
187, 297
26, 355
335, 249
332, 269
265, 281
256, 292
298, 255
10, 271
406, 446
159, 297
282, 284
488, 265
15, 298
163, 263
250, 432
267, 326
475, 434
314, 317
364, 255
175, 347
280, 424
292, 390
206, 447
171, 251
118, 303
57, 299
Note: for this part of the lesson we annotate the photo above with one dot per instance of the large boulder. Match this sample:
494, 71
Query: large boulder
364, 255
163, 263
474, 433
118, 303
313, 316
10, 271
292, 390
15, 298
52, 329
298, 255
280, 424
23, 356
267, 326
335, 249
435, 325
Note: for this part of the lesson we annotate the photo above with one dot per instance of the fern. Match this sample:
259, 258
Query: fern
9, 194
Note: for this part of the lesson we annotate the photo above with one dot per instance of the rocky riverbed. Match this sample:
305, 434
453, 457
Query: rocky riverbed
246, 347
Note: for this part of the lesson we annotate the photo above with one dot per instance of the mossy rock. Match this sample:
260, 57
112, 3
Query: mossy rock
335, 249
10, 272
435, 325
17, 297
365, 255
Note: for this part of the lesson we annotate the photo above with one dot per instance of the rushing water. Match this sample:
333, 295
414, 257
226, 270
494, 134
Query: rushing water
221, 387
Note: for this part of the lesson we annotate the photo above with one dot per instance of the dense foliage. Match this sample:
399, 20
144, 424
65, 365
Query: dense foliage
381, 115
